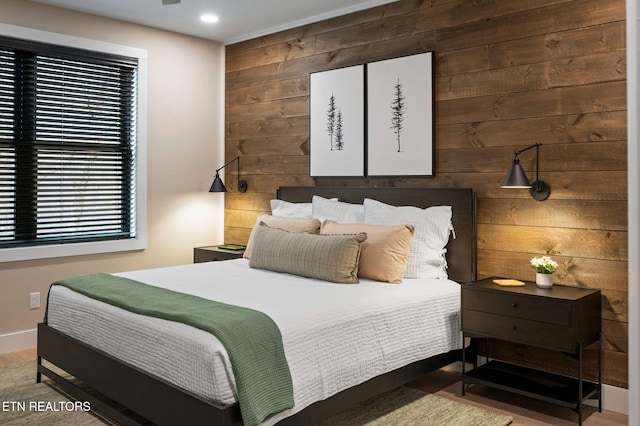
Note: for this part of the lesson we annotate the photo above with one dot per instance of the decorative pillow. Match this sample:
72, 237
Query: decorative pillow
432, 227
286, 209
296, 225
326, 257
384, 253
324, 208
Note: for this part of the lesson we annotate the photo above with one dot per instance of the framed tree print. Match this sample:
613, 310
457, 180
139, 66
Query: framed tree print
337, 122
400, 116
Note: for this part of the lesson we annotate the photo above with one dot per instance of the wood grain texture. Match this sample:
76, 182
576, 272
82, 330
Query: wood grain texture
507, 74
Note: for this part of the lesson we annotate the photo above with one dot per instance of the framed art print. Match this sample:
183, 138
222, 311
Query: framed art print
400, 116
337, 122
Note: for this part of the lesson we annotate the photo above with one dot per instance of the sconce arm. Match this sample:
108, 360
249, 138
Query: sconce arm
237, 158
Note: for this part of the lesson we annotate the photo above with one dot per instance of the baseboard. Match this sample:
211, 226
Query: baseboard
613, 398
19, 341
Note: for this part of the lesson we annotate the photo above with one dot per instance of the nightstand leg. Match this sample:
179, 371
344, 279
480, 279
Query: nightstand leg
580, 384
486, 350
464, 360
600, 375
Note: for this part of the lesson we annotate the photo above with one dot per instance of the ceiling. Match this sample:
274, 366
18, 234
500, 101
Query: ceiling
238, 19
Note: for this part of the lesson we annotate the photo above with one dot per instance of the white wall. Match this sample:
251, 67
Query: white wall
184, 147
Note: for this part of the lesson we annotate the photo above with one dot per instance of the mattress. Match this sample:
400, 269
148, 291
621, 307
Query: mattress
335, 335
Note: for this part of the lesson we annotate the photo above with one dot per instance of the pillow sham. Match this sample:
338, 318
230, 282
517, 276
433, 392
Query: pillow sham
287, 209
384, 253
339, 211
432, 227
296, 225
326, 257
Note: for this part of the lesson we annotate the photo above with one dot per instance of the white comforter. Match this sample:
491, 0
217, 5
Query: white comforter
335, 335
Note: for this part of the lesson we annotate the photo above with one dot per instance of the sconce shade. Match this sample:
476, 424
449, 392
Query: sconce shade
218, 185
516, 177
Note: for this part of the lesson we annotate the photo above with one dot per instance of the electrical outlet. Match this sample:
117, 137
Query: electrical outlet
34, 300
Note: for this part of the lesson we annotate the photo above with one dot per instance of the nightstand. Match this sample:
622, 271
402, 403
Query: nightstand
561, 318
214, 253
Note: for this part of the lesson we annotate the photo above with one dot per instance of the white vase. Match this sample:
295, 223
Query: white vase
544, 280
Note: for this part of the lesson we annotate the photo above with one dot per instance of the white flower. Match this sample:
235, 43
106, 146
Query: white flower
544, 265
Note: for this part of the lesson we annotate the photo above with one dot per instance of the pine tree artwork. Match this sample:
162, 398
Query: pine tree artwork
339, 134
398, 107
400, 116
331, 120
334, 125
337, 122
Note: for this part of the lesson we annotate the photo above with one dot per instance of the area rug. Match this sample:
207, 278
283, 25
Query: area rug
25, 402
406, 406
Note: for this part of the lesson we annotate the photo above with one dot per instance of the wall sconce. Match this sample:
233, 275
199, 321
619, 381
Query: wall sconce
218, 185
517, 179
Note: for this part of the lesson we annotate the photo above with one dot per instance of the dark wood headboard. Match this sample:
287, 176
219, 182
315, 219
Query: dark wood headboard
461, 251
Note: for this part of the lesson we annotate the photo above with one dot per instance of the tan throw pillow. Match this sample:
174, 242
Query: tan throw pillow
327, 257
296, 225
384, 253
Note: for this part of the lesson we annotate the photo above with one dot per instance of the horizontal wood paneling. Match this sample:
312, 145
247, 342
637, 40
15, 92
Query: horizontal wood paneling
507, 74
597, 244
589, 98
599, 68
592, 127
604, 215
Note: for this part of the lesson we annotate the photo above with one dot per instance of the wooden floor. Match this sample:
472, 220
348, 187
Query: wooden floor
16, 357
525, 411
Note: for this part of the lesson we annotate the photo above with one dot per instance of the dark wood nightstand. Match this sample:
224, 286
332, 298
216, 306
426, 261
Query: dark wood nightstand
561, 318
214, 253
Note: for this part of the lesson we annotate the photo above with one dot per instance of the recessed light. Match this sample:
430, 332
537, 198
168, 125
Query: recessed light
209, 19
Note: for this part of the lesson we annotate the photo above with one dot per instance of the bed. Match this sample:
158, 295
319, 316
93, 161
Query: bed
161, 399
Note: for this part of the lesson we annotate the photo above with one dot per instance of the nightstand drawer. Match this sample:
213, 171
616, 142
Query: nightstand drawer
528, 332
553, 311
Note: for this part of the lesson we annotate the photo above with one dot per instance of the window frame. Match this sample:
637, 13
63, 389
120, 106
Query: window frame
139, 242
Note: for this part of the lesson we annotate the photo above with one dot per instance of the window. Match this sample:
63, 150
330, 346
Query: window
68, 148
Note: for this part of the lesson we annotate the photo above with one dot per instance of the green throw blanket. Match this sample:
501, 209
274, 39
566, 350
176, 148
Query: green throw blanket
251, 338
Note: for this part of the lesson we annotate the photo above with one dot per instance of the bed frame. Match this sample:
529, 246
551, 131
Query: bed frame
149, 397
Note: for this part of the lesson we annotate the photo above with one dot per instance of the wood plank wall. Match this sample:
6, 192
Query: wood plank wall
508, 74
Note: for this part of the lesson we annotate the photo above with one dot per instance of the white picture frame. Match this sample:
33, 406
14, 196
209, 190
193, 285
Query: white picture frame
400, 116
337, 122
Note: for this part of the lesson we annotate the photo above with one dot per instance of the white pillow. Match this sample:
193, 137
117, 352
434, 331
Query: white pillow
286, 209
432, 228
338, 211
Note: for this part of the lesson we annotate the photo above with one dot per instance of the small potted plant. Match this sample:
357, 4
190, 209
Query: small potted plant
544, 267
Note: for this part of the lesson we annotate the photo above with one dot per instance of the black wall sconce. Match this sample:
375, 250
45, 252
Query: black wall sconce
516, 178
218, 185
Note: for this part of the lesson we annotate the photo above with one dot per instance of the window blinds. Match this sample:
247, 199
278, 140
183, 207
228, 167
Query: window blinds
67, 146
